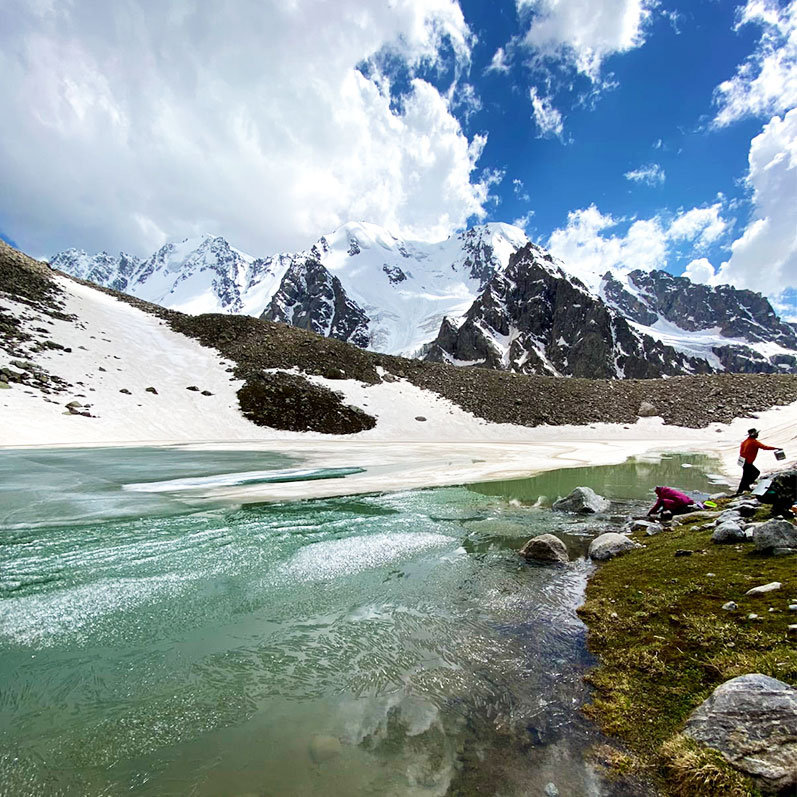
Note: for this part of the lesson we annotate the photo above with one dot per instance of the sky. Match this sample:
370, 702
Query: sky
619, 134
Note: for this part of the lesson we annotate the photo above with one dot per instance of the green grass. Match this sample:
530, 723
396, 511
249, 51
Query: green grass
664, 644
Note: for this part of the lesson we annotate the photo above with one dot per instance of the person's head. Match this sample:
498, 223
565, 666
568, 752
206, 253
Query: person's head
657, 490
752, 432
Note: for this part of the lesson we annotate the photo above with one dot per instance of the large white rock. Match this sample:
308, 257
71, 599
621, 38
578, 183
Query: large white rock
752, 721
611, 544
584, 500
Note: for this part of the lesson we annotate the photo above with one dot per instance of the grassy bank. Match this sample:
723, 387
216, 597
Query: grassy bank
664, 643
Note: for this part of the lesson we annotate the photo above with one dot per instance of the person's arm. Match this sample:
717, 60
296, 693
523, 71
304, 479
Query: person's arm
655, 507
766, 448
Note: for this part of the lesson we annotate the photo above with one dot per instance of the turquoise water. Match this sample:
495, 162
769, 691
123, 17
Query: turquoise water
385, 644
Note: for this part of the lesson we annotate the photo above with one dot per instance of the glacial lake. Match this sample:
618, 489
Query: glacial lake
382, 644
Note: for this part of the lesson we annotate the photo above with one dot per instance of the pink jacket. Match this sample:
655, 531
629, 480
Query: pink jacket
670, 494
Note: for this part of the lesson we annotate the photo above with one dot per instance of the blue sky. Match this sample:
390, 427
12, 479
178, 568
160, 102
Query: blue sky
618, 133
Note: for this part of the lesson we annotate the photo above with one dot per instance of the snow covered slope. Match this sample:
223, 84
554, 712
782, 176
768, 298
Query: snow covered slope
391, 296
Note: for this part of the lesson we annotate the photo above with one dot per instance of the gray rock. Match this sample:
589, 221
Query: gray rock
419, 418
775, 534
584, 500
646, 410
551, 790
730, 606
73, 404
764, 588
611, 544
545, 548
752, 721
648, 526
4, 385
151, 390
728, 532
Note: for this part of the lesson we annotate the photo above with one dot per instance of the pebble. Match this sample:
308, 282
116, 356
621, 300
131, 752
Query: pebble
551, 790
730, 606
753, 616
793, 629
793, 607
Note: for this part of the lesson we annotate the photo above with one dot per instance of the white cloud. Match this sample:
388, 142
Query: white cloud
547, 118
766, 83
126, 122
764, 257
703, 226
652, 174
590, 244
585, 32
524, 221
520, 190
499, 62
700, 270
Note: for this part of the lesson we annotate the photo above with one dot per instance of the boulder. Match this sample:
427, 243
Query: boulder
728, 532
584, 500
611, 544
545, 548
752, 721
776, 534
646, 410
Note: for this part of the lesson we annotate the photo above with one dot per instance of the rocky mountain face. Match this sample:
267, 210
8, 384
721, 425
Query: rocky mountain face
309, 297
536, 319
745, 317
483, 297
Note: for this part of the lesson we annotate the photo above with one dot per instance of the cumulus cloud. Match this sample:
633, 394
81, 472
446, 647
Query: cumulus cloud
652, 174
547, 118
700, 270
499, 63
764, 257
127, 123
593, 243
584, 33
766, 83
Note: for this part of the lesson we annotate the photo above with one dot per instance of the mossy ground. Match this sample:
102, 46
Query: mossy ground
664, 643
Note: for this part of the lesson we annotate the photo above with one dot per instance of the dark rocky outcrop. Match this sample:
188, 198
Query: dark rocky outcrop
287, 401
309, 297
535, 319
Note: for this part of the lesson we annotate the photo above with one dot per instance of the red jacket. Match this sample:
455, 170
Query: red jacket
749, 448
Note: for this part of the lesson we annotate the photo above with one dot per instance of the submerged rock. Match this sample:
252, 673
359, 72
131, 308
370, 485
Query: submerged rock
584, 500
776, 535
545, 548
752, 721
611, 544
323, 748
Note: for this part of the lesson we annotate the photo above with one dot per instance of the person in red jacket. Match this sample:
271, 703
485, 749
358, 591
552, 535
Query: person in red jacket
748, 451
668, 499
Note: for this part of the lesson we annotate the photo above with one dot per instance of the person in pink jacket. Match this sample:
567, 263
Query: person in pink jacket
668, 499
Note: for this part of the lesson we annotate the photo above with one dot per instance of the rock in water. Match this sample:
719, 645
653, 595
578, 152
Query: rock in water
323, 748
611, 544
545, 548
752, 721
775, 534
584, 500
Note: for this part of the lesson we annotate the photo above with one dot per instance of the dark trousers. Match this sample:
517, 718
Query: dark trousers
749, 474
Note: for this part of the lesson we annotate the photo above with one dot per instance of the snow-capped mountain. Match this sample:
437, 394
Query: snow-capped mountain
359, 284
465, 300
534, 318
